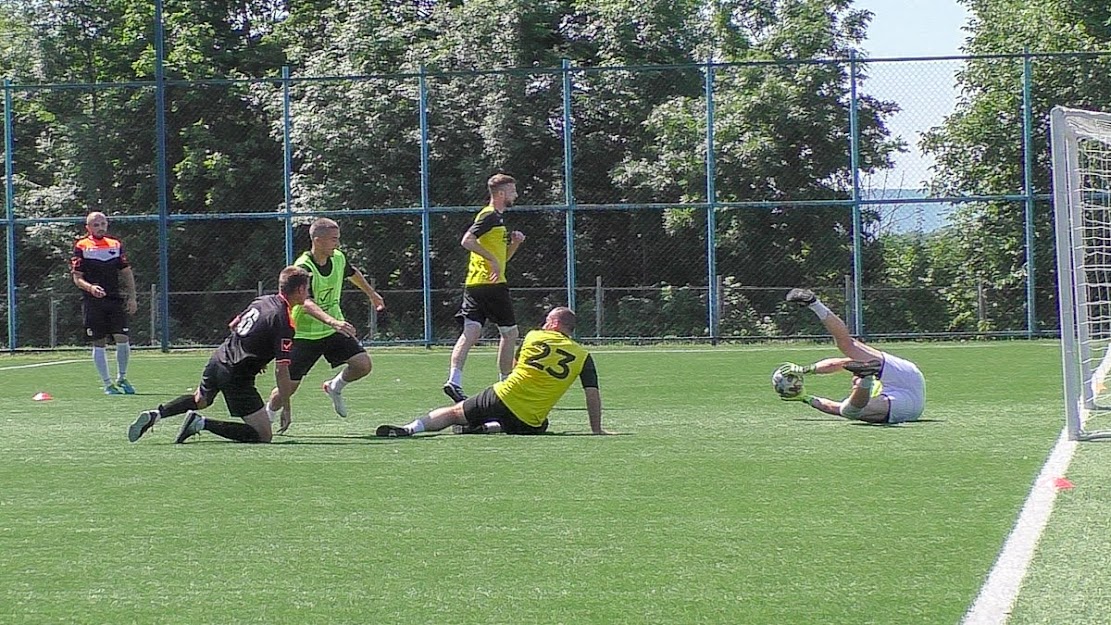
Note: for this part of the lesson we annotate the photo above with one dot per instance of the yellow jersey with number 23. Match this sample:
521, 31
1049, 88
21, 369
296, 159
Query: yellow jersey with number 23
547, 364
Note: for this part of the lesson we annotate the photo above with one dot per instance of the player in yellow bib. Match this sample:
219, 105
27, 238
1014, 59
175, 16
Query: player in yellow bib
321, 327
486, 293
549, 362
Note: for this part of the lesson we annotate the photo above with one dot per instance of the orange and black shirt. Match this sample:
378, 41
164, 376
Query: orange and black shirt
100, 262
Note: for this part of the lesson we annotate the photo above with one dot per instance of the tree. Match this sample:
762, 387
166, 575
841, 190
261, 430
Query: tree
781, 134
979, 148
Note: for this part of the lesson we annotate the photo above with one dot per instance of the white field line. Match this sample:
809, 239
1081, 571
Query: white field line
41, 364
997, 596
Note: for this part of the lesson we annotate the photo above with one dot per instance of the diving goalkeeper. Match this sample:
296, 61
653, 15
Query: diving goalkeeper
900, 397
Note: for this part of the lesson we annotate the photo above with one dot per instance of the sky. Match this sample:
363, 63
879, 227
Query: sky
927, 91
914, 27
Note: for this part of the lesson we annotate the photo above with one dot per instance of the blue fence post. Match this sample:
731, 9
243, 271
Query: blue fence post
160, 169
1028, 188
287, 165
426, 206
569, 184
858, 235
9, 212
711, 211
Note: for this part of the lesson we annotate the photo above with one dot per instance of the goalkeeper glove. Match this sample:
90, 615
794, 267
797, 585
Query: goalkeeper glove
790, 367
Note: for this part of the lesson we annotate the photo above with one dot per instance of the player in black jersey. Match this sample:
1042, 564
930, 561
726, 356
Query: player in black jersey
263, 332
99, 266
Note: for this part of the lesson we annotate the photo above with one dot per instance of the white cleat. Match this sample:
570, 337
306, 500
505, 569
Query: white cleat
337, 399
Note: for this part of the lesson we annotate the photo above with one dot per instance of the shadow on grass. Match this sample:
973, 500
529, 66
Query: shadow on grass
359, 439
832, 418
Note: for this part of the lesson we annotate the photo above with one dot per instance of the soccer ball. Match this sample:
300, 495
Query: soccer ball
786, 384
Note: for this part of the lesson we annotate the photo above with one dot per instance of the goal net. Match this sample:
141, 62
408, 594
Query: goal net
1081, 144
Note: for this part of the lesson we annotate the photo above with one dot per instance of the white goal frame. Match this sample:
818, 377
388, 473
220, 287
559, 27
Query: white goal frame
1081, 147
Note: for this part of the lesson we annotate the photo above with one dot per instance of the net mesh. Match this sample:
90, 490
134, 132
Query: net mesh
1082, 180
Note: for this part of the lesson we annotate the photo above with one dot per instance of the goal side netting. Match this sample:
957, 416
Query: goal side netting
1081, 147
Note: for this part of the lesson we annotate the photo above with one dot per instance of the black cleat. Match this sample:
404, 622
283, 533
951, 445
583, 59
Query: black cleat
802, 297
454, 392
391, 431
863, 368
192, 425
142, 424
468, 429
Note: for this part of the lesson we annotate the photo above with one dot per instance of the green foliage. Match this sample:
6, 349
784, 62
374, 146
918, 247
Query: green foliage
979, 148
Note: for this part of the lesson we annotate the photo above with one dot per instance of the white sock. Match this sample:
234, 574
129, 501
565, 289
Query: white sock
100, 359
820, 309
455, 377
338, 382
123, 354
503, 376
416, 427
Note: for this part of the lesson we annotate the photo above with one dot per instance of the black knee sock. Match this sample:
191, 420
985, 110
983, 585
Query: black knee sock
178, 405
239, 432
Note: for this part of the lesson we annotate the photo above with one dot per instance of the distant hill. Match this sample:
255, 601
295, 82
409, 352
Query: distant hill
898, 217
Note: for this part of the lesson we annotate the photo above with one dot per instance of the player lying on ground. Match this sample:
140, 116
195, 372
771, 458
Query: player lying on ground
900, 397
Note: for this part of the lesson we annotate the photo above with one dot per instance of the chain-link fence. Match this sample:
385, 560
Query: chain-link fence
661, 202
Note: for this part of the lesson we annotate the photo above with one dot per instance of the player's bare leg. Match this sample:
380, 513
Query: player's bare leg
453, 388
435, 421
506, 347
358, 367
846, 344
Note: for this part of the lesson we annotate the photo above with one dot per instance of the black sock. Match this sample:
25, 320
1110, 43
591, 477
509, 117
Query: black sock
239, 432
178, 405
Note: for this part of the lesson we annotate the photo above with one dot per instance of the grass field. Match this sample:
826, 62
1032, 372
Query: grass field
717, 503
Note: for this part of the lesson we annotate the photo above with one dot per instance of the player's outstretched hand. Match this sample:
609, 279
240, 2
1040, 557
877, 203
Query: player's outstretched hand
790, 367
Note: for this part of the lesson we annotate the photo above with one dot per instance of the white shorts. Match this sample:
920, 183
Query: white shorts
905, 388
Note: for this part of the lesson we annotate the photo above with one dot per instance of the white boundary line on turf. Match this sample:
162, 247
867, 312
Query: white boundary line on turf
997, 597
41, 364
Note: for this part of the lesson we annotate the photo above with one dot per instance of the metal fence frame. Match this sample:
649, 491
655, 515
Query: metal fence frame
570, 207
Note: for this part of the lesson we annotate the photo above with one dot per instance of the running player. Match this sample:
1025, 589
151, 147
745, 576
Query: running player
334, 340
486, 292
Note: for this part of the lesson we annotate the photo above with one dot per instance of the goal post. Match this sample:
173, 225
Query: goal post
1081, 149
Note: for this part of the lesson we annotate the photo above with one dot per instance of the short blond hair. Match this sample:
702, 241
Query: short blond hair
497, 181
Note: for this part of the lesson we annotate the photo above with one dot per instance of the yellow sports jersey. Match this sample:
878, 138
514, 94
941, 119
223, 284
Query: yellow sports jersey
490, 230
325, 291
547, 365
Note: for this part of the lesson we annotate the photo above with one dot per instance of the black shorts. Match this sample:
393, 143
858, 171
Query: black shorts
488, 302
336, 349
487, 406
103, 317
239, 390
